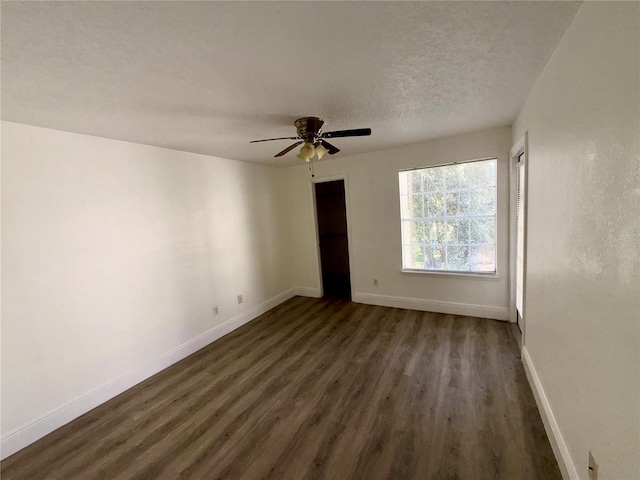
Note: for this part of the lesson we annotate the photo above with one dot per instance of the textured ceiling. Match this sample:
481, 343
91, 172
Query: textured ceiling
207, 77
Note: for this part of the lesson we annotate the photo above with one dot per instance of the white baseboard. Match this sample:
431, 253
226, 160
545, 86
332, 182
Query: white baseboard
26, 434
482, 311
559, 446
307, 292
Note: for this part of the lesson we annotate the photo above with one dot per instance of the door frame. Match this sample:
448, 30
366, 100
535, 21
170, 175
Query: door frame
312, 190
522, 146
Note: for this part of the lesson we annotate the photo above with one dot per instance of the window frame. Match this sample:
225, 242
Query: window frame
462, 273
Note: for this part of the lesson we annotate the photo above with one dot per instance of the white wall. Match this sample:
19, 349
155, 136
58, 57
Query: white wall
115, 253
583, 280
374, 221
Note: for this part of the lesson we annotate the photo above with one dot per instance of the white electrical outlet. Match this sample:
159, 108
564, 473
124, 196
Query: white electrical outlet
215, 310
375, 282
240, 299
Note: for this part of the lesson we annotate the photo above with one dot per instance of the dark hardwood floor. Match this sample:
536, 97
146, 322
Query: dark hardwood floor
317, 389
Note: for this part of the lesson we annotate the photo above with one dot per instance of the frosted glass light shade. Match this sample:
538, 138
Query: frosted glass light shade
321, 151
306, 152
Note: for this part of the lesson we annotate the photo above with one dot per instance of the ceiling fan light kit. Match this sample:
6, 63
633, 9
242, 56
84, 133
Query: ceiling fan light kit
309, 131
321, 151
306, 152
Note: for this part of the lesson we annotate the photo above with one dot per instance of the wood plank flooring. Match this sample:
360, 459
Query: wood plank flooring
317, 389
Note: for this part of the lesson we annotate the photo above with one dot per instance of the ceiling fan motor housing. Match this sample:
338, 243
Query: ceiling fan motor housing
309, 128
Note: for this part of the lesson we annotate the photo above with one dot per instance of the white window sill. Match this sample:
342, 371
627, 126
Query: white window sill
483, 276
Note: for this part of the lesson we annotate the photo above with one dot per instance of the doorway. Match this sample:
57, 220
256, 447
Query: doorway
331, 212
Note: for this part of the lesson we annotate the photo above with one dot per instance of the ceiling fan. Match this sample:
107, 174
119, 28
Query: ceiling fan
310, 133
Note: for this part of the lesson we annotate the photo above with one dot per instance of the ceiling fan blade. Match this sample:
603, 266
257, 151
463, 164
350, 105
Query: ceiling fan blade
288, 149
358, 132
270, 139
330, 148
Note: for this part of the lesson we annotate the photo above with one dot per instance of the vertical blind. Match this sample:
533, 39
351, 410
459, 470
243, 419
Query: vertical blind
520, 233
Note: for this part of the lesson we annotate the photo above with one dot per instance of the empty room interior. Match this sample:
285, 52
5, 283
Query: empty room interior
338, 240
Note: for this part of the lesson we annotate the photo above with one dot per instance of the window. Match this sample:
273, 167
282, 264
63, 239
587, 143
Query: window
449, 217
